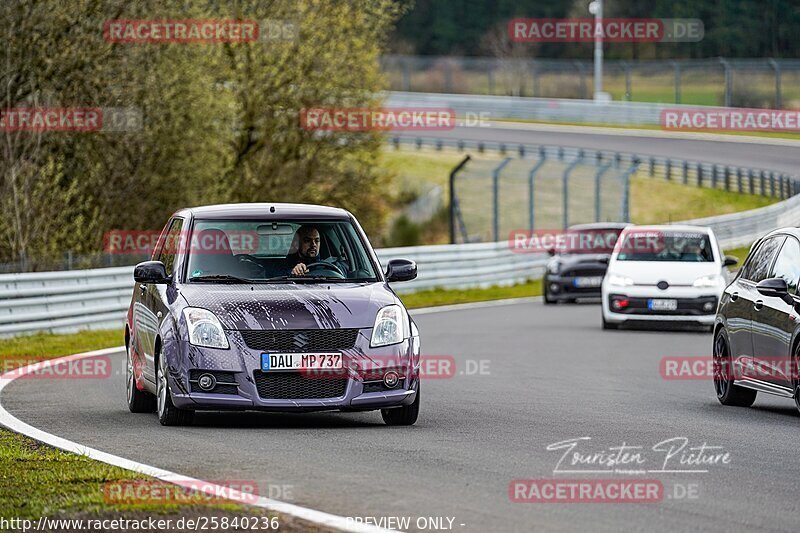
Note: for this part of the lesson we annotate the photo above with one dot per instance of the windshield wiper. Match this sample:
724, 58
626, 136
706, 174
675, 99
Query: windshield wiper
221, 277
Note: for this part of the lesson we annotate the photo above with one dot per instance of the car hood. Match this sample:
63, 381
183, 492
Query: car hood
674, 273
288, 306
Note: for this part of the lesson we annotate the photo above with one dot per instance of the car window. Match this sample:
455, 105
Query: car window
758, 264
169, 248
787, 265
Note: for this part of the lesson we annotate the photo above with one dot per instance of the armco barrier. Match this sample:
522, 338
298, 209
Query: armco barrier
96, 299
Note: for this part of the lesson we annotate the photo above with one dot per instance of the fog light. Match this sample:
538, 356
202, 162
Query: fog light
619, 303
554, 287
207, 382
391, 379
708, 306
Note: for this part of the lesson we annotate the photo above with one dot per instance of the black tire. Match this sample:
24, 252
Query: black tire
402, 416
547, 299
168, 414
609, 325
139, 401
796, 375
727, 392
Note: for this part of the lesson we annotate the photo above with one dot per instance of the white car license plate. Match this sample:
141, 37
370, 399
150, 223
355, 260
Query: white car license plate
301, 361
590, 281
662, 304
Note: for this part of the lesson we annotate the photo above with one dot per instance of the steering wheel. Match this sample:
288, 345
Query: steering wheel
326, 266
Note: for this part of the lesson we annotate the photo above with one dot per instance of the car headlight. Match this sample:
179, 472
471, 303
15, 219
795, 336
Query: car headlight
389, 326
204, 328
708, 281
553, 267
619, 281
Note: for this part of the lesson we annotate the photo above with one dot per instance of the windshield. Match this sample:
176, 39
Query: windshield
665, 246
265, 250
589, 241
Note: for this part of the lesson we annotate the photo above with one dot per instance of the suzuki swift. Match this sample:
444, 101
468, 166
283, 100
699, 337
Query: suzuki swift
271, 307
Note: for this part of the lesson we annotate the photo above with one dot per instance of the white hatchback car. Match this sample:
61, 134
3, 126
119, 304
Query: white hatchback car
664, 274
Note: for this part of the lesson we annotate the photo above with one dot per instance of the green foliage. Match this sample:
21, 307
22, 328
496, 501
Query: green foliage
220, 121
404, 232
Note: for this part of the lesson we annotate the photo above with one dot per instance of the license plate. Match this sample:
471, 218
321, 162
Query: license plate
662, 305
590, 281
300, 361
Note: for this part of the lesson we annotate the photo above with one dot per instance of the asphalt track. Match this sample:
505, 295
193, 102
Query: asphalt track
553, 375
731, 151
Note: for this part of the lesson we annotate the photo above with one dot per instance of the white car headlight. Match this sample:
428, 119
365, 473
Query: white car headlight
708, 281
619, 281
204, 328
390, 326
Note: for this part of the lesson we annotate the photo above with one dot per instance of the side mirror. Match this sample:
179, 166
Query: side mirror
773, 288
605, 259
401, 270
150, 272
730, 261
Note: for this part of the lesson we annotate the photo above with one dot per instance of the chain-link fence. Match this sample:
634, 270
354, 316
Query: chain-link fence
758, 83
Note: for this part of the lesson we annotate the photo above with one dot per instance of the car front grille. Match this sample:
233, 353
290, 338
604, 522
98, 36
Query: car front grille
299, 386
300, 340
585, 271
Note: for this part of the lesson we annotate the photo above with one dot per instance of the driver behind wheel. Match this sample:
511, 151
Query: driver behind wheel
307, 244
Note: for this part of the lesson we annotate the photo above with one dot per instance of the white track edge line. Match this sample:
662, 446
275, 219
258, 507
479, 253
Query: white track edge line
304, 513
17, 425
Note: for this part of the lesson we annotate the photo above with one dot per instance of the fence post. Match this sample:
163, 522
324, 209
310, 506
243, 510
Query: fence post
496, 199
628, 90
669, 170
739, 179
597, 177
652, 170
714, 176
778, 97
453, 200
763, 179
699, 174
727, 178
565, 186
685, 172
728, 81
582, 73
531, 176
772, 184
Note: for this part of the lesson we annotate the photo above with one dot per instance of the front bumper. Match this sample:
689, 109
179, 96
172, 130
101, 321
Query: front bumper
568, 287
357, 387
694, 305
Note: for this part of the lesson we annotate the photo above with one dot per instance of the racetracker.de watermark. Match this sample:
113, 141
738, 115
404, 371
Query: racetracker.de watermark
37, 368
585, 491
202, 31
611, 30
770, 369
356, 119
190, 492
77, 119
204, 242
730, 120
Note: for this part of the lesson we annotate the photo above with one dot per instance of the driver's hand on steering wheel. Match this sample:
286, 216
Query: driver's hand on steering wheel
300, 269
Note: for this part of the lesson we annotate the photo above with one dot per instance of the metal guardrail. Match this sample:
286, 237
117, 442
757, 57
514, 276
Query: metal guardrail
97, 299
94, 299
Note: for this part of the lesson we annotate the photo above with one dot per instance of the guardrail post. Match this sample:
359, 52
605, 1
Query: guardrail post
750, 180
699, 174
496, 199
460, 145
597, 177
727, 178
652, 170
439, 145
772, 184
531, 177
453, 200
714, 176
782, 182
480, 147
685, 172
521, 151
419, 143
763, 179
669, 170
739, 179
565, 186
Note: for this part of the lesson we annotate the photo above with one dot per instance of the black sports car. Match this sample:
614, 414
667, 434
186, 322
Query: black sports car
580, 260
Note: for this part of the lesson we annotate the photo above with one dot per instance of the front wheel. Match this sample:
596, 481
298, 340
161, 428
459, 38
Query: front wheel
727, 392
402, 416
139, 401
168, 414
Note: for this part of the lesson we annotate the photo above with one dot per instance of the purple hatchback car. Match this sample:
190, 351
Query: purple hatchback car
272, 307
